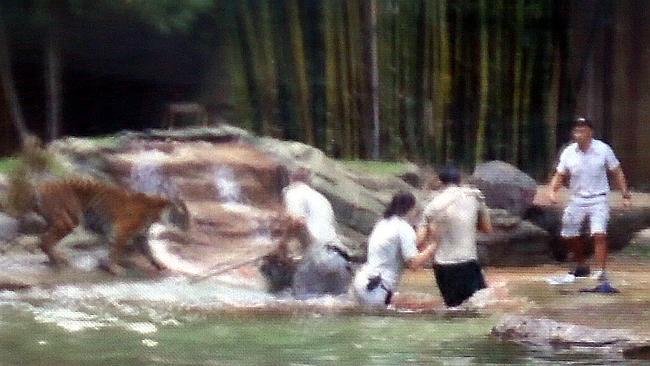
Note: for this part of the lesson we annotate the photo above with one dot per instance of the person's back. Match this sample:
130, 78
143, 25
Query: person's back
303, 201
324, 268
451, 219
386, 247
457, 213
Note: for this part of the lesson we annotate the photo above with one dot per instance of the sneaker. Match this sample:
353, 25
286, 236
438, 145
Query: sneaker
561, 280
600, 275
581, 271
603, 288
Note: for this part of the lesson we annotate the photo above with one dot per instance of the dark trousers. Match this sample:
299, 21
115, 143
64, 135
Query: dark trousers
457, 282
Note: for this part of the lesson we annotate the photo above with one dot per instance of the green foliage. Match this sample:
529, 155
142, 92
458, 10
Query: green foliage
106, 141
385, 168
165, 15
168, 15
8, 164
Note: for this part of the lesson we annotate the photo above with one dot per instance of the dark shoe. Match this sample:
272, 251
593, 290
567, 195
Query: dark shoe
581, 271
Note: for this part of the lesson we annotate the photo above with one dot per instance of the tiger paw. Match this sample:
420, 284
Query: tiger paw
112, 268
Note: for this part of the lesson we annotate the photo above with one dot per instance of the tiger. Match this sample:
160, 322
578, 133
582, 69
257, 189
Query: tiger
120, 215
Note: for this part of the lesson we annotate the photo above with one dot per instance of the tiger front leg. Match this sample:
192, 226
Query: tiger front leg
49, 239
112, 263
122, 233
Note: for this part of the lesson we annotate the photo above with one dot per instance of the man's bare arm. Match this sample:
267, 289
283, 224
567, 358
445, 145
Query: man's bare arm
422, 236
422, 258
556, 183
484, 221
621, 182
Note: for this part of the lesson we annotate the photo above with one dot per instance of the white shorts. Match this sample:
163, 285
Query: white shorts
377, 296
576, 213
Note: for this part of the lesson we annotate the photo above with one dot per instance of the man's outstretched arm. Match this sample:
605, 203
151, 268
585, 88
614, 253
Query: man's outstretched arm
556, 183
621, 182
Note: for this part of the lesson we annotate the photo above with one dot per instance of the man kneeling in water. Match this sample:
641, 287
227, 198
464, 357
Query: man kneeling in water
325, 267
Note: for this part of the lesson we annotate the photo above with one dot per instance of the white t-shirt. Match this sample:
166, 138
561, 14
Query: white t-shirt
391, 243
455, 212
301, 200
588, 170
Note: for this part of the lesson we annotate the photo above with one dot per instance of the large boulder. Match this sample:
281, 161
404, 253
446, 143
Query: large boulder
513, 242
547, 332
505, 186
8, 227
623, 224
198, 164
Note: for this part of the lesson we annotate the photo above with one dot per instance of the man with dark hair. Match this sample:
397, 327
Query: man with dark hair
450, 220
585, 164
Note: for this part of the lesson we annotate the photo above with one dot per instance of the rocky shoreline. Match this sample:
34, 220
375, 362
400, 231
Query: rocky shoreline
526, 235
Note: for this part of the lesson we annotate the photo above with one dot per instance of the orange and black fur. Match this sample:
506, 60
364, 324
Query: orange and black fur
118, 214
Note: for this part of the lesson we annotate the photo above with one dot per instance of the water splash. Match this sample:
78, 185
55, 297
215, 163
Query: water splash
159, 250
146, 175
229, 190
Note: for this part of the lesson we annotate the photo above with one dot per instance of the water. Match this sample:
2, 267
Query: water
229, 190
176, 322
146, 176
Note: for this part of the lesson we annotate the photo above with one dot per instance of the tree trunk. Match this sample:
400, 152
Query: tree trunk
8, 85
497, 138
517, 74
355, 78
245, 28
300, 69
484, 75
316, 50
287, 100
445, 82
369, 19
53, 74
266, 60
523, 161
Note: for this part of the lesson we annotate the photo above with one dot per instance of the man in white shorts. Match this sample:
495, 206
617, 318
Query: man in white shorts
585, 163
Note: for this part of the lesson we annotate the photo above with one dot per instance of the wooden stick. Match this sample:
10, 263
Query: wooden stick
222, 269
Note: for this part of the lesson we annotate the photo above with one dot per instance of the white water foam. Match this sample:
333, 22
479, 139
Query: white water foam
228, 188
146, 176
160, 252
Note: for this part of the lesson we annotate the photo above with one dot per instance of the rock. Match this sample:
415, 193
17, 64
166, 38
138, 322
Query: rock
13, 284
8, 227
505, 186
623, 224
642, 238
637, 352
547, 332
32, 223
513, 242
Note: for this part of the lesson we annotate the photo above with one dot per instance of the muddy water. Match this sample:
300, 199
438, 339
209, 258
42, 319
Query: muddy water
100, 320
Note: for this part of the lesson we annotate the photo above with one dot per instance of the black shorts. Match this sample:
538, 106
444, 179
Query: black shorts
457, 282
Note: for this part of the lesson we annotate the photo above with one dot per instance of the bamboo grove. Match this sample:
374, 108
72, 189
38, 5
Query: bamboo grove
461, 81
431, 81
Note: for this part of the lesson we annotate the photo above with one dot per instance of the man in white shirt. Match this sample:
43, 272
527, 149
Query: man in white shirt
324, 267
585, 164
451, 220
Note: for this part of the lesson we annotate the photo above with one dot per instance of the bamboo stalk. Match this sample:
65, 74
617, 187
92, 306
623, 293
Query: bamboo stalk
484, 76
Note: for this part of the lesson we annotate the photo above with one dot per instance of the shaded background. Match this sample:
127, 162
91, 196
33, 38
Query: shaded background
463, 81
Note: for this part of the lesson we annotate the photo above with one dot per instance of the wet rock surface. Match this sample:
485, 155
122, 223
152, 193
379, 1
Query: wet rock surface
231, 181
505, 187
543, 332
